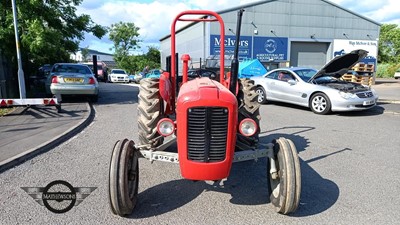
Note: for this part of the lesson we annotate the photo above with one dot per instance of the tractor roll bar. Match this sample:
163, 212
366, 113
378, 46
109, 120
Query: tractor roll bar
205, 13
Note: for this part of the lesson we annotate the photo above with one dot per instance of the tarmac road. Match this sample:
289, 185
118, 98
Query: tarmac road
349, 168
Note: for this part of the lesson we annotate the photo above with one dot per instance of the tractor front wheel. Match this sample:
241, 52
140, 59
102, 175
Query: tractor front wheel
285, 183
150, 111
123, 179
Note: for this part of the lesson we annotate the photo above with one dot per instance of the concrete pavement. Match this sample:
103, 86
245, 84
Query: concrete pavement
29, 131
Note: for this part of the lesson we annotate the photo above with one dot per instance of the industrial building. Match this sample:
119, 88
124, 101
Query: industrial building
281, 33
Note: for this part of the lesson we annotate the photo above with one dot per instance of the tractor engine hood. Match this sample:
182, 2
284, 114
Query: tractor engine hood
340, 64
206, 119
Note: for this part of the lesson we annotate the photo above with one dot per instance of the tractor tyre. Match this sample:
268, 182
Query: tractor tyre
285, 186
248, 108
150, 111
123, 179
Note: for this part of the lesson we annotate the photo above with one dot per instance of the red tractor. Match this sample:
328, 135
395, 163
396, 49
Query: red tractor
213, 122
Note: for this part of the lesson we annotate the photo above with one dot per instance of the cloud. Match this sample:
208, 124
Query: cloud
154, 17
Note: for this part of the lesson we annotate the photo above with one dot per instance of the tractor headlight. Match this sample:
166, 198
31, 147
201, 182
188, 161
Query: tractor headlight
248, 127
165, 127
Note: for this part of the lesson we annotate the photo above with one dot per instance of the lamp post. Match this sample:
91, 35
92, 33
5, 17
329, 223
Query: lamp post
252, 39
21, 79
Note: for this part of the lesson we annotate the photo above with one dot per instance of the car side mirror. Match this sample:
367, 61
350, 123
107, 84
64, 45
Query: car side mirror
292, 82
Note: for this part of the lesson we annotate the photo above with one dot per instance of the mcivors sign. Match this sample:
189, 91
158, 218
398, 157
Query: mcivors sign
229, 42
265, 48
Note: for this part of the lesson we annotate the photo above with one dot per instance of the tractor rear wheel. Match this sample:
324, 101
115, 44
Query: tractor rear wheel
285, 185
123, 179
150, 111
248, 108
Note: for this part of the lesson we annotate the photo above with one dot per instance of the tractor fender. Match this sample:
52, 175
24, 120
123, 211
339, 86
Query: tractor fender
165, 87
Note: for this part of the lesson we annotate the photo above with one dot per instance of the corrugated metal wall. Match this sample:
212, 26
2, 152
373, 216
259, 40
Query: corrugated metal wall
308, 21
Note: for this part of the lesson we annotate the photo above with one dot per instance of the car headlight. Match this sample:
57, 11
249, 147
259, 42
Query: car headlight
373, 92
347, 95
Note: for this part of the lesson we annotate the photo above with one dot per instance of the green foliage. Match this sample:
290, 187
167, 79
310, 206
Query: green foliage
125, 37
49, 31
389, 44
387, 70
85, 53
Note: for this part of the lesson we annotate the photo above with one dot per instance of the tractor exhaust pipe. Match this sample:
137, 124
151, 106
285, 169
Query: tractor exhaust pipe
235, 60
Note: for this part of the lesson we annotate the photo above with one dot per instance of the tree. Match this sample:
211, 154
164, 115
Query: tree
154, 55
85, 53
389, 44
49, 30
125, 39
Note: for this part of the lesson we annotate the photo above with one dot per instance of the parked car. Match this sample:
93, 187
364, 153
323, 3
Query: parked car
118, 75
154, 73
136, 78
322, 91
131, 78
397, 74
101, 70
73, 79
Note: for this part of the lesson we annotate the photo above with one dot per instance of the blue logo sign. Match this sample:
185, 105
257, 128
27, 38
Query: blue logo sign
265, 48
270, 48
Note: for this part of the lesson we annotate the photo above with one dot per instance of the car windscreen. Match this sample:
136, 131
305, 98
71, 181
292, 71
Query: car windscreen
71, 69
305, 74
118, 72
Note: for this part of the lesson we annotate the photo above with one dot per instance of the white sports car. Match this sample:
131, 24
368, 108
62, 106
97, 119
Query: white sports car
322, 91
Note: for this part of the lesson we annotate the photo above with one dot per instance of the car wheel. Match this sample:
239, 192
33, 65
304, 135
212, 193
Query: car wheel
262, 96
320, 104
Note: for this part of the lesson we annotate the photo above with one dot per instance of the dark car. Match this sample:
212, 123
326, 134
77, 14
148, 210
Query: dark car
197, 73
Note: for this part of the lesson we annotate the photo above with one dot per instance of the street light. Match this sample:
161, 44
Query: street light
21, 79
255, 32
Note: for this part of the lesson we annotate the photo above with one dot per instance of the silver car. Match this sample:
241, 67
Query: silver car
73, 79
322, 91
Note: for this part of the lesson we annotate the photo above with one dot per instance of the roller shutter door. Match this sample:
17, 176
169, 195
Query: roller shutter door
308, 54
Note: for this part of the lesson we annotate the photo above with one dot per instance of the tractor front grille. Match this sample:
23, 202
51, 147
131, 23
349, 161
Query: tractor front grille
207, 131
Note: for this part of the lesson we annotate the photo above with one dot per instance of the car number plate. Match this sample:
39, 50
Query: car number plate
369, 102
73, 80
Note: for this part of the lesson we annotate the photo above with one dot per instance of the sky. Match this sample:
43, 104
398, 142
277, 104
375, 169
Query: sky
154, 17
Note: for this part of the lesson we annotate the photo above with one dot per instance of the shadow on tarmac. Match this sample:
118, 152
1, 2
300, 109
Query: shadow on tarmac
247, 185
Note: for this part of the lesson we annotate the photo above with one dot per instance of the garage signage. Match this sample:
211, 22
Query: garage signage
341, 47
229, 42
270, 48
265, 49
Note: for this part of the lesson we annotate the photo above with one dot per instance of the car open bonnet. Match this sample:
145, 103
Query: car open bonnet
341, 64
